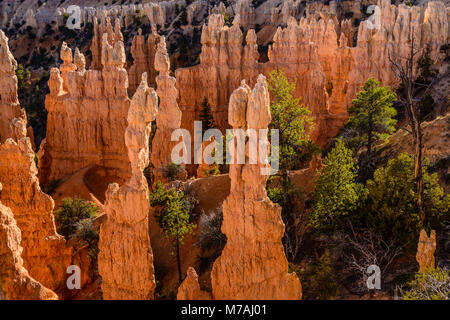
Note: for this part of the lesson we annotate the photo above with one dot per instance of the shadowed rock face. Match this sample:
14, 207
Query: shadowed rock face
15, 282
126, 266
45, 254
87, 112
39, 14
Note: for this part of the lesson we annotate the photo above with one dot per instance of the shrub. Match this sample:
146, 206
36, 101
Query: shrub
434, 284
214, 171
71, 212
173, 171
86, 232
393, 198
210, 237
23, 76
319, 279
51, 186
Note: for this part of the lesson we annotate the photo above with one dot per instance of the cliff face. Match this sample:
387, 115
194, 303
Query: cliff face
253, 264
317, 53
15, 282
44, 251
9, 103
87, 112
126, 267
168, 118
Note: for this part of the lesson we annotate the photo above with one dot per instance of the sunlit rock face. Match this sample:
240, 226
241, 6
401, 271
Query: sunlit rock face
15, 282
169, 116
45, 254
190, 288
9, 103
125, 261
425, 250
143, 53
253, 264
87, 111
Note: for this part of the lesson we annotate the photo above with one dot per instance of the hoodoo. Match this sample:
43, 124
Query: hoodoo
253, 264
126, 267
169, 116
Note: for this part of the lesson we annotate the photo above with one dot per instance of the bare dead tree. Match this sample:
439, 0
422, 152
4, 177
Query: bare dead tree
366, 248
403, 68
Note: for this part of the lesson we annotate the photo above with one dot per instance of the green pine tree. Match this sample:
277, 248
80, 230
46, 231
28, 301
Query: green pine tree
337, 196
173, 216
371, 116
293, 120
206, 116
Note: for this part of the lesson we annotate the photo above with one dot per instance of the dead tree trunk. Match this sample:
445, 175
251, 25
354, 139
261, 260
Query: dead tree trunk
405, 73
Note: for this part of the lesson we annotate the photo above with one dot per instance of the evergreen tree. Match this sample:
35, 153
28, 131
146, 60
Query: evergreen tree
337, 196
206, 116
371, 116
183, 16
294, 124
173, 216
293, 120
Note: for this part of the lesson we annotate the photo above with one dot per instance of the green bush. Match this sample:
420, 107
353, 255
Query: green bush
23, 76
71, 212
392, 201
86, 232
319, 280
434, 284
173, 171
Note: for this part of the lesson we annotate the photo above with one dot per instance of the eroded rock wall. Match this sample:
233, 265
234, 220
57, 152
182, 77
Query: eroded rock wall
125, 261
318, 53
224, 61
45, 254
87, 112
